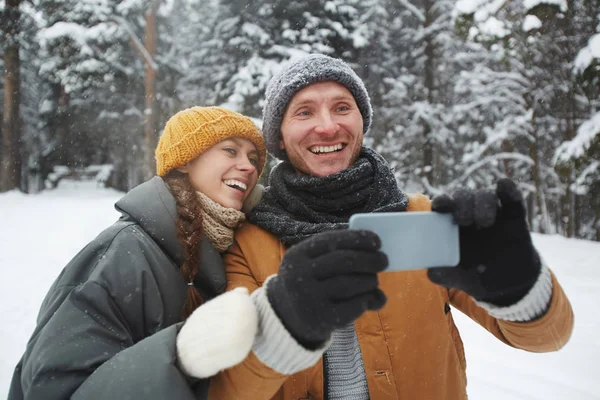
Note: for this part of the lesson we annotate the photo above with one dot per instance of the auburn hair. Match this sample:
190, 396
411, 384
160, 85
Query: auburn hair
189, 233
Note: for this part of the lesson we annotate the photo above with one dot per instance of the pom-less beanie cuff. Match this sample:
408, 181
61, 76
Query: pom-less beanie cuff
298, 75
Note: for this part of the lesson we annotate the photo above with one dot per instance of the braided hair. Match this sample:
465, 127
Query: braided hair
189, 233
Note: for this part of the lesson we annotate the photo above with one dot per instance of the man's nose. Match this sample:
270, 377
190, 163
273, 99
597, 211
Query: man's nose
326, 124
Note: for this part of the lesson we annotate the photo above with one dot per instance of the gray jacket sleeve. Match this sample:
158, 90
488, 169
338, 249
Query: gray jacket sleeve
110, 336
146, 370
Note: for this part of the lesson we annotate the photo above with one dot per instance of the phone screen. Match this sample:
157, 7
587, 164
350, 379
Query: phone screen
413, 240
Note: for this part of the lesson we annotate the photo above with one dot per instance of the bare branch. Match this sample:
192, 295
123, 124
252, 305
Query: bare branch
137, 43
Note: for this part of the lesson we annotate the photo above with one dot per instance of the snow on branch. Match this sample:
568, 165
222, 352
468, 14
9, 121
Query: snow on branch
72, 30
581, 186
481, 9
561, 4
414, 10
577, 147
492, 158
586, 55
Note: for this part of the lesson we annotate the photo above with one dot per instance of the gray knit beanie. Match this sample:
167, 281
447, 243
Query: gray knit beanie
298, 75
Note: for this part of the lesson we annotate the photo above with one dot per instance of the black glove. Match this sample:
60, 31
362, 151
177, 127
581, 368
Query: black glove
326, 282
498, 263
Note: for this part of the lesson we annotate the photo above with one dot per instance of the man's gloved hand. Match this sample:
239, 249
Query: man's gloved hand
326, 282
498, 263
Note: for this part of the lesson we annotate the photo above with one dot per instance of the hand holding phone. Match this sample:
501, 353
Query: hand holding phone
413, 240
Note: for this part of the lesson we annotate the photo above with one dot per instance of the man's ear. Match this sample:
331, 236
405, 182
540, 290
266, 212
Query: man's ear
184, 169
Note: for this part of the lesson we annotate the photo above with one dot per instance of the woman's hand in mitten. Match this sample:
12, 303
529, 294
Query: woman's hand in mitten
218, 335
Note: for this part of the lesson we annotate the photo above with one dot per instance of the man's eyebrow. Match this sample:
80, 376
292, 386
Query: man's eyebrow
301, 103
345, 97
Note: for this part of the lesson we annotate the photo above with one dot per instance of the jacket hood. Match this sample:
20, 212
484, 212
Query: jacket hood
152, 206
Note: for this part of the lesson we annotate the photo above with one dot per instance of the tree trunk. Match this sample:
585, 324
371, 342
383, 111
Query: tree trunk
11, 164
571, 203
569, 133
541, 210
62, 127
150, 109
429, 82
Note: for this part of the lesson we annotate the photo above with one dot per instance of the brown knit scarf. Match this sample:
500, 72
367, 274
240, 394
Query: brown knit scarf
219, 222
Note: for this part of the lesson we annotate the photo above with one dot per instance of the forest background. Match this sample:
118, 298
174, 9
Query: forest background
464, 92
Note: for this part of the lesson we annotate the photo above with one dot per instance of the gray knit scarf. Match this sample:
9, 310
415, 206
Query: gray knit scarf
295, 207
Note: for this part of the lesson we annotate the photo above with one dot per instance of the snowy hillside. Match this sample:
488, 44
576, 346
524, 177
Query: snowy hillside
40, 233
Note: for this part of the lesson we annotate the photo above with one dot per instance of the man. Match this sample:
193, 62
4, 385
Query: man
319, 288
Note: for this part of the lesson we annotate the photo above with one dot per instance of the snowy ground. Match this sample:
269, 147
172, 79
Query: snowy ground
40, 233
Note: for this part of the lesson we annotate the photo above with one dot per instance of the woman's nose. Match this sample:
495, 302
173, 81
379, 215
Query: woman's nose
246, 164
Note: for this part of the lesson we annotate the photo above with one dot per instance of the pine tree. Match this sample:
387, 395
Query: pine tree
416, 133
531, 40
258, 37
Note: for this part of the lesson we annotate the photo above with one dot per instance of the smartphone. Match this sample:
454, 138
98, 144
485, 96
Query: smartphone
413, 240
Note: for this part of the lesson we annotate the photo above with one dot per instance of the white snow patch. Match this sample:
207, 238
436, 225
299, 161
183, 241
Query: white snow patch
493, 27
531, 22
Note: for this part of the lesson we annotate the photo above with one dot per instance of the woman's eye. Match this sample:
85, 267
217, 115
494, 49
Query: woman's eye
254, 161
343, 108
303, 113
230, 150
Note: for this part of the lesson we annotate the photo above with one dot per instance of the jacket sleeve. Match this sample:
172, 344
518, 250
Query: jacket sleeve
96, 340
548, 333
146, 370
275, 353
251, 379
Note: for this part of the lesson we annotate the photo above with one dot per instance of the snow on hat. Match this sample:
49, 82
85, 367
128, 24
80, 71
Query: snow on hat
298, 75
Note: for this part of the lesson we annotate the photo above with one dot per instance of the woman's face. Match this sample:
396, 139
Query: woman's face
226, 172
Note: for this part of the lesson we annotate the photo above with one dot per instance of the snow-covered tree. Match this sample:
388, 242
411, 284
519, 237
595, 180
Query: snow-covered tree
550, 104
258, 37
415, 132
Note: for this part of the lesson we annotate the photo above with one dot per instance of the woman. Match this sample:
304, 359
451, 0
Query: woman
112, 325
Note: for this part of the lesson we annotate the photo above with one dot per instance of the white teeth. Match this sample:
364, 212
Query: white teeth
326, 149
236, 184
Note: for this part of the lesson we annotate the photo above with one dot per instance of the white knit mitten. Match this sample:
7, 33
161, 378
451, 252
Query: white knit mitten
218, 335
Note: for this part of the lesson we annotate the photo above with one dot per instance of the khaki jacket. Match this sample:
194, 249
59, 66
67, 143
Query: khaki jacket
411, 348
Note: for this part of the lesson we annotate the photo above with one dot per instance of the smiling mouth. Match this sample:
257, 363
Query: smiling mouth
327, 149
235, 184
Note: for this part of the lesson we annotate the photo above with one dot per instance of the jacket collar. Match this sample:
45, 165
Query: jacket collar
153, 207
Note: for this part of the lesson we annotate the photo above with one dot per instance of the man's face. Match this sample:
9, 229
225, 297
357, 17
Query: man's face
322, 129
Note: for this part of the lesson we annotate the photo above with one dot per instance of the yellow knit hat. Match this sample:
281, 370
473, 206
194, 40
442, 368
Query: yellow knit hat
192, 131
